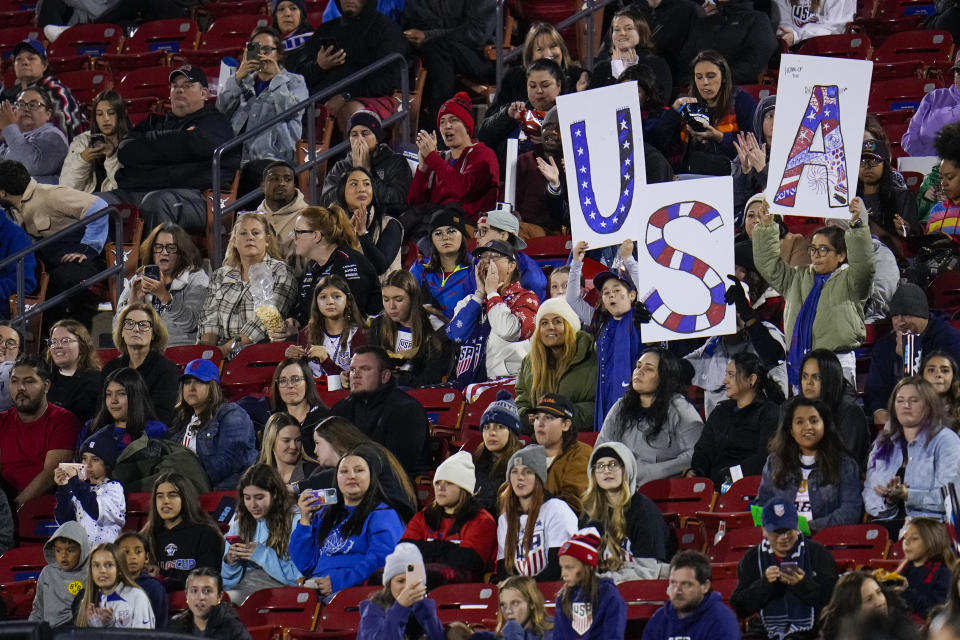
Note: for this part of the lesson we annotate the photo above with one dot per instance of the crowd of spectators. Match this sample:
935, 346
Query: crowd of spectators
839, 389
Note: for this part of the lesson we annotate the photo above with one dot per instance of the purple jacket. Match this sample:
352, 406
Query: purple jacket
939, 107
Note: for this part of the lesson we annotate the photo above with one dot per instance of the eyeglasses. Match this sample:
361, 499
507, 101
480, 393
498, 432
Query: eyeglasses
292, 381
171, 249
870, 163
53, 342
11, 344
448, 232
33, 105
613, 465
300, 232
823, 250
267, 50
481, 231
142, 326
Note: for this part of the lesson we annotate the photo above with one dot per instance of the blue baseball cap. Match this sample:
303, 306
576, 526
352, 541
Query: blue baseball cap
201, 369
779, 514
31, 44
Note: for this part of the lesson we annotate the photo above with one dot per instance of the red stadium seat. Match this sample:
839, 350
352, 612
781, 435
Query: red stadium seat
845, 45
221, 505
9, 36
549, 250
342, 613
474, 410
252, 369
226, 8
904, 48
443, 406
293, 607
690, 537
733, 545
903, 93
944, 291
183, 354
913, 179
760, 91
470, 603
138, 508
17, 598
724, 586
93, 40
227, 36
35, 519
22, 563
85, 85
854, 544
680, 496
154, 41
732, 507
17, 18
149, 82
643, 598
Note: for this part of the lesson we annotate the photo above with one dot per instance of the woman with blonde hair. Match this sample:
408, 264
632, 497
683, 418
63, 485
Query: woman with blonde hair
75, 383
141, 336
282, 449
325, 239
562, 360
229, 318
522, 614
633, 533
411, 333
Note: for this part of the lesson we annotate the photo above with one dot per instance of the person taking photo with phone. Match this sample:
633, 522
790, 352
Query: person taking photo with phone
86, 493
787, 578
91, 164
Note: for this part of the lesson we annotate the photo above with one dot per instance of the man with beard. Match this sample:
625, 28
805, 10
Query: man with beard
282, 202
35, 436
382, 411
695, 611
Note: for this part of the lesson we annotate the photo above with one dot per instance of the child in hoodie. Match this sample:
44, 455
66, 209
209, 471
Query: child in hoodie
64, 576
588, 607
96, 501
695, 611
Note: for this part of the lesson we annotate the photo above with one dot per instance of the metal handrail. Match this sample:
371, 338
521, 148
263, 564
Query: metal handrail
592, 7
119, 269
310, 104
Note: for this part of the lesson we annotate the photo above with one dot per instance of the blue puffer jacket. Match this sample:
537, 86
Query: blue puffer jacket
247, 109
226, 445
346, 561
831, 504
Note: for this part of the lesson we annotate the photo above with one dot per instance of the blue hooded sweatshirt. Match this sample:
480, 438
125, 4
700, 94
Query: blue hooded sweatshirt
711, 620
607, 622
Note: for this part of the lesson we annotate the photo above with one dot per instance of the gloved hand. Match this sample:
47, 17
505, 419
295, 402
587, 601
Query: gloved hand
640, 314
735, 295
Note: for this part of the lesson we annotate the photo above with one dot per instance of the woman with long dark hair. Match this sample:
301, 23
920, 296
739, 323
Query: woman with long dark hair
821, 378
125, 405
294, 392
500, 430
858, 595
340, 545
893, 208
260, 559
942, 372
292, 23
91, 164
219, 432
738, 429
654, 419
808, 465
457, 537
181, 534
412, 333
380, 235
631, 44
730, 110
914, 457
445, 273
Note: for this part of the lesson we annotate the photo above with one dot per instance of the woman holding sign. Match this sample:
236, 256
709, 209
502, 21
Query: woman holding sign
837, 280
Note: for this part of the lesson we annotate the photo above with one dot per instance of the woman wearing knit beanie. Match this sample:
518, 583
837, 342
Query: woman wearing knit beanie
456, 536
500, 426
562, 360
468, 172
523, 549
401, 609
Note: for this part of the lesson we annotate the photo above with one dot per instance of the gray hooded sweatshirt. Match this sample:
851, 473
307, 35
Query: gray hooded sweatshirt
56, 587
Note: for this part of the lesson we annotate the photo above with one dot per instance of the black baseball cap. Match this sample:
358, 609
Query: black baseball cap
555, 404
191, 73
497, 246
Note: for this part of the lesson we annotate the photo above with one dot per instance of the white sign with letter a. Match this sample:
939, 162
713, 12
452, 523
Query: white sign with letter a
817, 135
603, 151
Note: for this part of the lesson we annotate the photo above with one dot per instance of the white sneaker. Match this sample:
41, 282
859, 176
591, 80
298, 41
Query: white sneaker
53, 31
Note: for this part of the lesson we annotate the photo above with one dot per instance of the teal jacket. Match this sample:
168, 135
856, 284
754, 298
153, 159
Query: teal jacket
280, 569
844, 294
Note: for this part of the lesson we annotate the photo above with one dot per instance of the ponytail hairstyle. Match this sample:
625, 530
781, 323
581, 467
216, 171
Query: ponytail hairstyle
91, 593
334, 223
537, 620
749, 364
510, 507
278, 518
317, 326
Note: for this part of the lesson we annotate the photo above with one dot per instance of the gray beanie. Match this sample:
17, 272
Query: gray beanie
403, 554
503, 411
767, 104
533, 456
623, 454
909, 300
551, 117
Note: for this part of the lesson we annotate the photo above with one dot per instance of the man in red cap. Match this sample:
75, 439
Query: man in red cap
468, 172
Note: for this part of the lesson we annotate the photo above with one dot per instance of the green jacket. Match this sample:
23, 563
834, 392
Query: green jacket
838, 325
145, 459
578, 383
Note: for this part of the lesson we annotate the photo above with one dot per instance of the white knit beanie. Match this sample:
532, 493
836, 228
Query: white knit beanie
458, 469
403, 554
560, 307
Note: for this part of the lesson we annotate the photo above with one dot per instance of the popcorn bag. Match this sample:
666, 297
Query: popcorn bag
261, 288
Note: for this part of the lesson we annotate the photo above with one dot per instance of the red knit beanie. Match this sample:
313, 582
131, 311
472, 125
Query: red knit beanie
584, 546
460, 106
